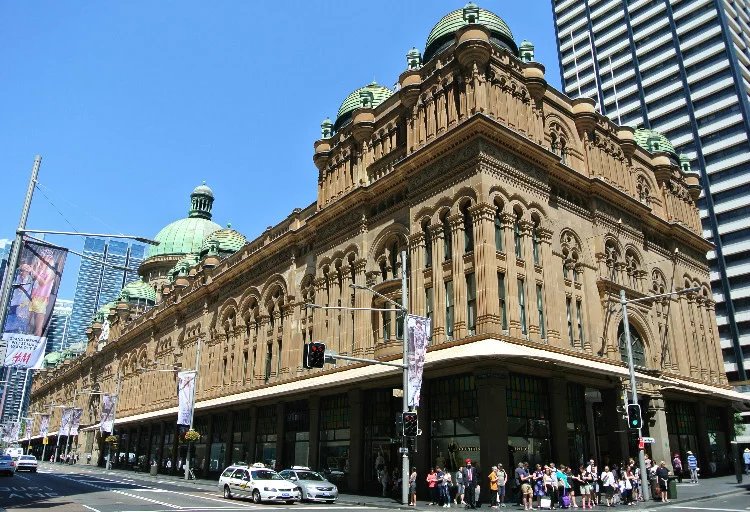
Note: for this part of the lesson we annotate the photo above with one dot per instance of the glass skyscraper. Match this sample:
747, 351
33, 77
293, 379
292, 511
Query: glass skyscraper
58, 325
680, 67
98, 284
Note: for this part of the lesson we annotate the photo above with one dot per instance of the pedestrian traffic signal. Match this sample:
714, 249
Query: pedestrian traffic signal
314, 355
634, 416
410, 424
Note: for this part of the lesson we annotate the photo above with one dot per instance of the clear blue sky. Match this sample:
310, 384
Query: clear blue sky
132, 104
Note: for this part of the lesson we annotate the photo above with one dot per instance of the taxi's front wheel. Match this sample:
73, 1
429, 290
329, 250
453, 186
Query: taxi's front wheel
227, 492
256, 496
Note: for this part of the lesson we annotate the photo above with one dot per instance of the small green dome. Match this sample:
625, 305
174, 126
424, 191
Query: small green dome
52, 359
104, 310
190, 260
183, 236
443, 32
369, 96
203, 189
230, 241
653, 141
140, 290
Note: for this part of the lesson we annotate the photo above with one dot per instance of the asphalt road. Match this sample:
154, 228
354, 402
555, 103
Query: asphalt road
735, 502
71, 489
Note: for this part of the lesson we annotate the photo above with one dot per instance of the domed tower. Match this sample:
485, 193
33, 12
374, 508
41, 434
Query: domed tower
178, 239
369, 96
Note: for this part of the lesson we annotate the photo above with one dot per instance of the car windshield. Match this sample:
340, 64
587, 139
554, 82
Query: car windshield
28, 457
265, 474
309, 475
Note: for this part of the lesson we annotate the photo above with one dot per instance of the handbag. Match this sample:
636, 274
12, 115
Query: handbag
545, 503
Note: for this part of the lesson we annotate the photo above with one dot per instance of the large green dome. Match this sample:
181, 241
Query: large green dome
369, 96
183, 236
442, 33
653, 141
139, 290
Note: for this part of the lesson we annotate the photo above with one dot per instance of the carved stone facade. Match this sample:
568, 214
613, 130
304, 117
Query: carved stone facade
524, 214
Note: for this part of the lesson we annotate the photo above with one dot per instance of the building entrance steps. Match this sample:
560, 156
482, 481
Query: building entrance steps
687, 492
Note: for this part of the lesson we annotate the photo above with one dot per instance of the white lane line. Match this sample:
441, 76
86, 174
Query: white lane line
707, 508
22, 477
155, 502
90, 508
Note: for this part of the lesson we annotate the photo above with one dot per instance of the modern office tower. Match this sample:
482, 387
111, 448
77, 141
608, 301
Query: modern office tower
5, 246
682, 68
58, 325
97, 283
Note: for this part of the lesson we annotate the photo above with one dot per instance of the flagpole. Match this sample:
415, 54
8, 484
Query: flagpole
108, 465
192, 406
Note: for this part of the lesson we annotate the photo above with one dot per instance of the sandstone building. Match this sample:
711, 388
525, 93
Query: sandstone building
524, 213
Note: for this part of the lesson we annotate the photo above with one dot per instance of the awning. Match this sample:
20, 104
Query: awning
479, 351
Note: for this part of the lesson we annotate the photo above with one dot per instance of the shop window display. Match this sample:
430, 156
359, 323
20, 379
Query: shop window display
454, 429
265, 438
528, 420
334, 439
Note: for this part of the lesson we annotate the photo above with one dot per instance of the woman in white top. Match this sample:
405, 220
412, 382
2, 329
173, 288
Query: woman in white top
608, 483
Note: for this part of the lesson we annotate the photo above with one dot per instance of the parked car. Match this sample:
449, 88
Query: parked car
257, 482
314, 486
8, 465
26, 463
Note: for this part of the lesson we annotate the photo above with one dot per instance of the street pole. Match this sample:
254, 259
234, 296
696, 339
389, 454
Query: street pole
44, 445
404, 439
634, 395
192, 405
114, 415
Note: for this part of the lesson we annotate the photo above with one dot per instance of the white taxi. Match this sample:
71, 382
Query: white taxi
259, 483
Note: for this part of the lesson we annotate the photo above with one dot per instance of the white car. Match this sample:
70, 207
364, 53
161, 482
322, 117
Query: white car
313, 485
259, 483
26, 463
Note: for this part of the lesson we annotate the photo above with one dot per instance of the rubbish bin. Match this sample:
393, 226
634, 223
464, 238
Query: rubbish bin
154, 470
672, 487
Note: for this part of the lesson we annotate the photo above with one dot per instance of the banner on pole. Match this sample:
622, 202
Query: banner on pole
107, 421
11, 432
185, 394
418, 336
75, 421
33, 294
44, 425
66, 421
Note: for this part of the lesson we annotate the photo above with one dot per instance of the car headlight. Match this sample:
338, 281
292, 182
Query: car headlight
269, 489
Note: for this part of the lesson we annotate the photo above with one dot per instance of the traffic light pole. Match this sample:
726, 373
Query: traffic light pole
645, 491
404, 441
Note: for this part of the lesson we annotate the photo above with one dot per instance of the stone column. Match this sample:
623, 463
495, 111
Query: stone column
511, 277
491, 384
362, 299
314, 411
657, 418
532, 314
346, 315
558, 398
554, 308
438, 285
356, 441
485, 269
459, 281
280, 434
417, 302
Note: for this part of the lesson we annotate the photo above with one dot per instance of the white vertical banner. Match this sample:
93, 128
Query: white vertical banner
107, 421
66, 421
418, 335
12, 432
44, 425
75, 421
185, 394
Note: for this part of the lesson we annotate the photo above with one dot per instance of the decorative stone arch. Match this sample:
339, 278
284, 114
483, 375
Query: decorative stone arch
443, 208
498, 198
228, 315
658, 282
571, 248
644, 186
641, 336
351, 249
425, 212
275, 282
383, 242
250, 296
462, 195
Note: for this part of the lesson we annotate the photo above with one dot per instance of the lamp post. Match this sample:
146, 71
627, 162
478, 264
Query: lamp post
114, 415
631, 368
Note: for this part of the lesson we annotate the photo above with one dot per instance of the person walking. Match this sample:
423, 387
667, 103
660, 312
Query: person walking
413, 487
661, 479
608, 485
746, 460
470, 478
460, 489
432, 486
502, 481
692, 462
521, 475
677, 467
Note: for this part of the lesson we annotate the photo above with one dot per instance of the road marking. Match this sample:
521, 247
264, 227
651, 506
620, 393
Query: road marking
22, 477
156, 502
90, 508
707, 508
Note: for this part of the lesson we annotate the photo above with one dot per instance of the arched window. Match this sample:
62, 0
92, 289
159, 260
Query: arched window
535, 241
517, 235
468, 228
447, 238
636, 343
427, 243
498, 229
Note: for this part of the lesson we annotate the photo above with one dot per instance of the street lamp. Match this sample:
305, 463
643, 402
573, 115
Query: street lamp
633, 391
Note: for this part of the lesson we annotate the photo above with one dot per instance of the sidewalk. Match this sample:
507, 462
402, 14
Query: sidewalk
686, 492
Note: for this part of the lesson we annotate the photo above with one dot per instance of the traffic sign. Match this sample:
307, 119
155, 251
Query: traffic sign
45, 440
649, 440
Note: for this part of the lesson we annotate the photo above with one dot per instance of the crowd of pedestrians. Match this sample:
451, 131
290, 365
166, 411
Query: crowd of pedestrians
548, 486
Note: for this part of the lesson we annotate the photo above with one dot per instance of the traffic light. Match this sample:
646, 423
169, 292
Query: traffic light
314, 355
410, 424
634, 416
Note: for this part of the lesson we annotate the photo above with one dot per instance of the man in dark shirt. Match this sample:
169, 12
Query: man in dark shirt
521, 476
661, 477
470, 484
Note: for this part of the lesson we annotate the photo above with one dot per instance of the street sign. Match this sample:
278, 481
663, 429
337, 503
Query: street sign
403, 450
649, 440
641, 445
45, 440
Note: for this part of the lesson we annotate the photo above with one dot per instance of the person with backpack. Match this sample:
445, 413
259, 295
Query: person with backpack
677, 466
502, 481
